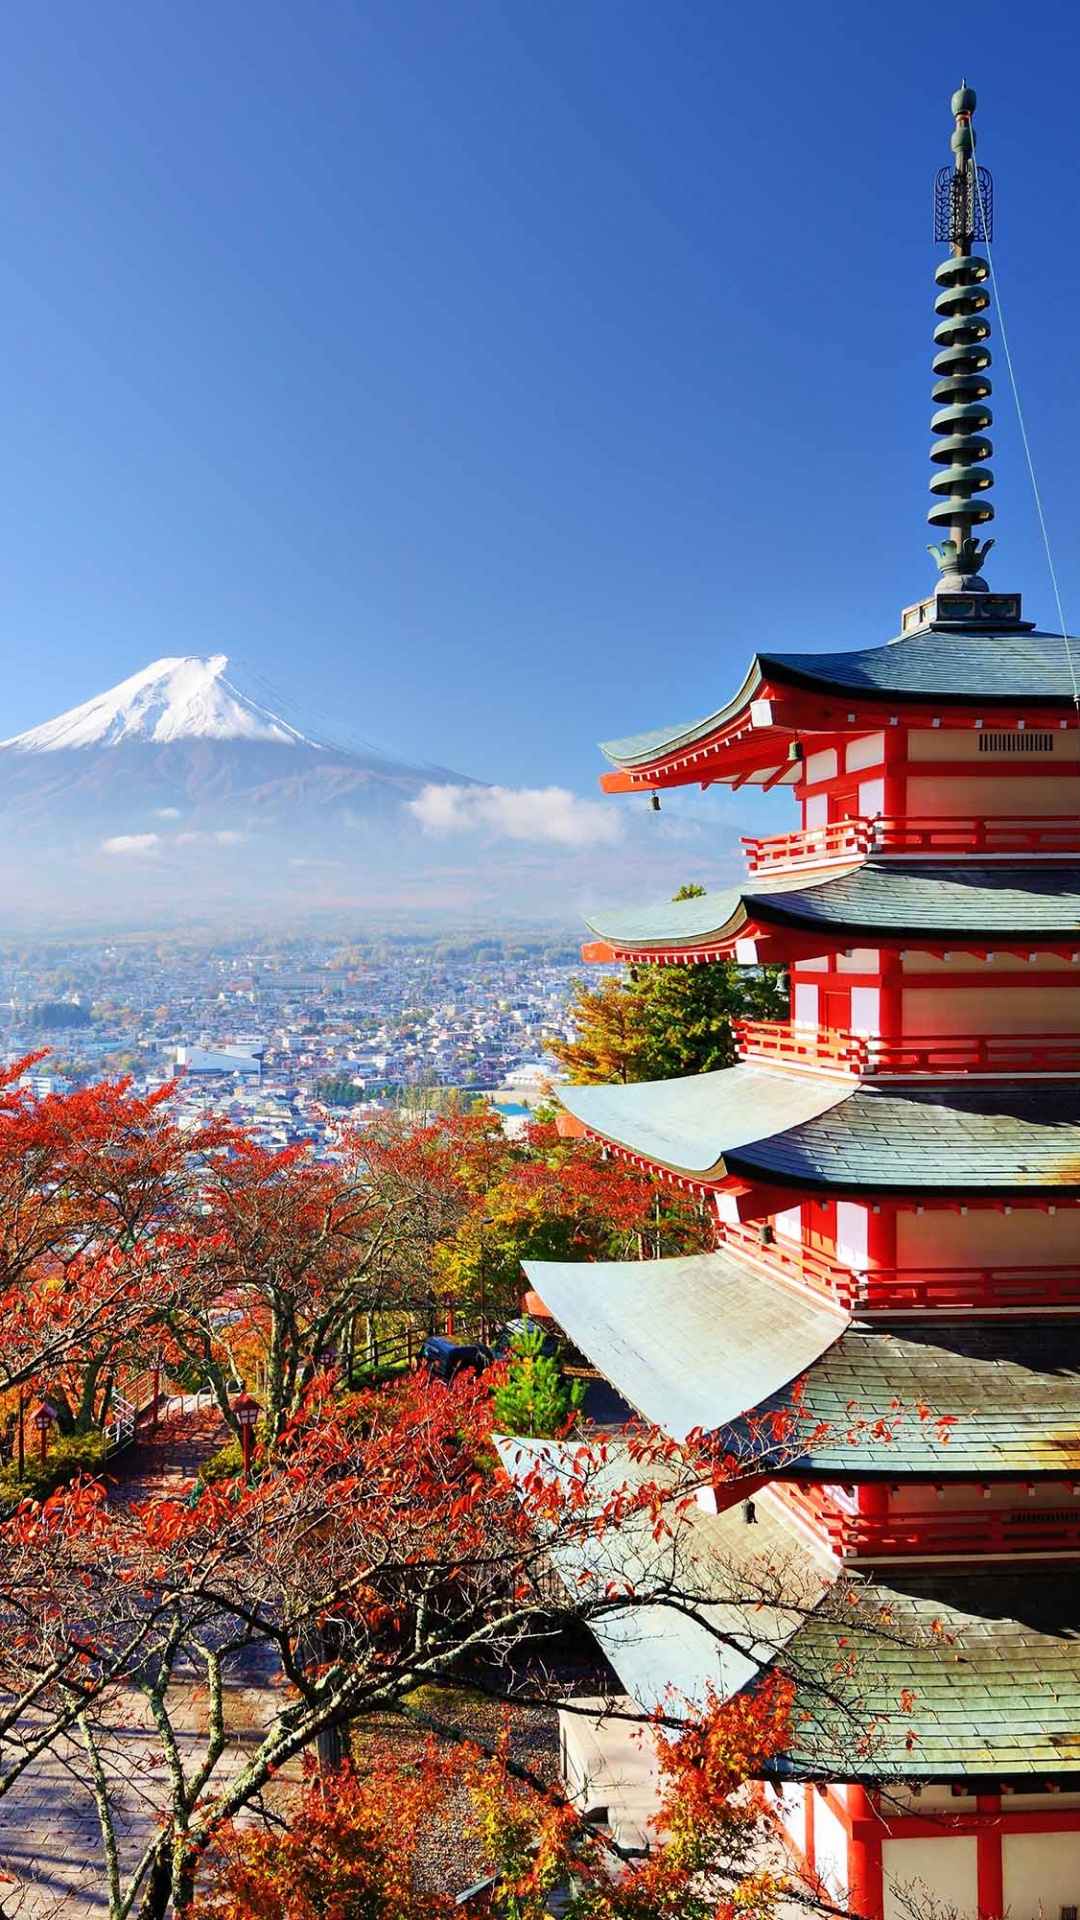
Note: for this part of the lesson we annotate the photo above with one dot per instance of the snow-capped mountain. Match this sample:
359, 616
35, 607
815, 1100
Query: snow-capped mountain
182, 698
181, 754
191, 792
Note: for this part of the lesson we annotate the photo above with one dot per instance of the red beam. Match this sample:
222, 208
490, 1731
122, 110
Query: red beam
866, 1885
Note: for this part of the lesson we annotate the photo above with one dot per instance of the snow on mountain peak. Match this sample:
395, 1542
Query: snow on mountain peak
184, 698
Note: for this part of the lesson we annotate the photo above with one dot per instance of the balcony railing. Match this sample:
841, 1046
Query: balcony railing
873, 1057
1038, 836
1050, 1289
842, 841
936, 1531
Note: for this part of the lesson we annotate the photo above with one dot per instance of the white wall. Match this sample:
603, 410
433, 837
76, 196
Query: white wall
788, 1804
789, 1223
830, 1851
866, 1010
1026, 1006
962, 743
804, 1011
986, 1236
946, 1868
821, 766
852, 1228
1041, 1874
605, 1765
990, 797
867, 751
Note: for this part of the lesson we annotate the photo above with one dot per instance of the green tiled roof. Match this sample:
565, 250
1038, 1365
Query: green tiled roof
1012, 1389
806, 1131
869, 900
968, 1675
692, 1343
957, 1676
978, 669
941, 1139
972, 667
737, 1593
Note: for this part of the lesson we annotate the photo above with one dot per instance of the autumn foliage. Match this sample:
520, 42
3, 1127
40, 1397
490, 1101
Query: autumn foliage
382, 1544
354, 1847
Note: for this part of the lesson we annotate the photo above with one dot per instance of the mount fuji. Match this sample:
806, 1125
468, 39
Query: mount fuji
183, 740
189, 790
212, 793
187, 698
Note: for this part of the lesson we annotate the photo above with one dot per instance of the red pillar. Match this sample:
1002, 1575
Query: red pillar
991, 1879
809, 1842
866, 1889
881, 1234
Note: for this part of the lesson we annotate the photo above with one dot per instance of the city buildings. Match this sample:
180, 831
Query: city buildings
292, 1038
896, 1177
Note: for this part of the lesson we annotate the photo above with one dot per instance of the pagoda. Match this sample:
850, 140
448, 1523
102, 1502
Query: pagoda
895, 1174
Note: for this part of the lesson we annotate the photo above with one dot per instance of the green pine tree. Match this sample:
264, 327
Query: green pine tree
535, 1399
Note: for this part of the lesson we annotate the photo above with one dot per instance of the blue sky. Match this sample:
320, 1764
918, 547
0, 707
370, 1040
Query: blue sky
495, 377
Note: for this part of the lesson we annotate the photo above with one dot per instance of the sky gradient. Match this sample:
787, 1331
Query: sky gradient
495, 378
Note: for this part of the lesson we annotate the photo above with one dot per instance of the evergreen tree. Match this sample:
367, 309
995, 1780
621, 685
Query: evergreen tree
535, 1398
659, 1022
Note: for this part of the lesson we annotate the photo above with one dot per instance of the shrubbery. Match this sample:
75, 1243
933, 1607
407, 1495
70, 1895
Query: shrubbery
76, 1453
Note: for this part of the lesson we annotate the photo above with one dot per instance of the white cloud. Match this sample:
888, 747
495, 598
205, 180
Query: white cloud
166, 813
225, 837
550, 814
131, 843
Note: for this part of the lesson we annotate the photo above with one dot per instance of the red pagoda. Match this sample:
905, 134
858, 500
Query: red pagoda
895, 1173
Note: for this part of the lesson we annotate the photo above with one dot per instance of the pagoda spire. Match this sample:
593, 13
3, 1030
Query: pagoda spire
963, 215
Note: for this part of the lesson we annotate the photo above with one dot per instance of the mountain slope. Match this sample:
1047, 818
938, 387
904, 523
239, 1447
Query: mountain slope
183, 741
179, 698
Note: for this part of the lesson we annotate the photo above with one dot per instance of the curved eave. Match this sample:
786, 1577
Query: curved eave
978, 670
691, 1125
980, 909
641, 750
691, 1342
804, 1134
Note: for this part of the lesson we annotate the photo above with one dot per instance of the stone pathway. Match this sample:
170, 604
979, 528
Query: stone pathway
187, 1433
50, 1840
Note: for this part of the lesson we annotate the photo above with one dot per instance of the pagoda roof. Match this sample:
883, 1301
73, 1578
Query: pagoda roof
806, 1131
691, 1343
694, 1343
922, 1676
738, 1594
962, 1675
949, 666
691, 1124
956, 1399
873, 900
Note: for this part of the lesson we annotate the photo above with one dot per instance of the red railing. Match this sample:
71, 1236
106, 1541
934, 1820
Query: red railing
911, 1289
999, 839
842, 840
871, 1056
788, 1045
129, 1403
1024, 837
934, 1531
